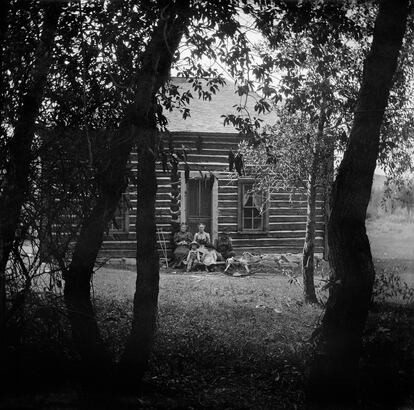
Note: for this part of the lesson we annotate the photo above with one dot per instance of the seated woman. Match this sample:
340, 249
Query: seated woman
202, 237
224, 246
182, 240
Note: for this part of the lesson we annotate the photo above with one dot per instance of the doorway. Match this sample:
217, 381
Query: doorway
198, 206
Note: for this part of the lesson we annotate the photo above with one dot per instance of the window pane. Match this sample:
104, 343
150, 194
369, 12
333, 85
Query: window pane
251, 216
248, 223
257, 223
249, 202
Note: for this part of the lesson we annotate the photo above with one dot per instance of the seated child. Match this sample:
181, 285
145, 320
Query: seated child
209, 258
194, 256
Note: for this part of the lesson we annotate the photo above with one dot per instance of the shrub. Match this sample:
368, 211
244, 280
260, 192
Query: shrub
389, 285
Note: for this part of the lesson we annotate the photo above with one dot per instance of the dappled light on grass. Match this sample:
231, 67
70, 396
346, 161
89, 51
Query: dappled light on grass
222, 339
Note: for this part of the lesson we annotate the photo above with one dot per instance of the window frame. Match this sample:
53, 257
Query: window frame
242, 182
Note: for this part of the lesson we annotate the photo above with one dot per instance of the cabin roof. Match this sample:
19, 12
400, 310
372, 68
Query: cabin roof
205, 116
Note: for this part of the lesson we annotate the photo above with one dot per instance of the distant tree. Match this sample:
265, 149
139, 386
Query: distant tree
318, 67
398, 192
291, 156
406, 197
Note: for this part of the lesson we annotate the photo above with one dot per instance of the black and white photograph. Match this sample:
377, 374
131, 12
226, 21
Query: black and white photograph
207, 204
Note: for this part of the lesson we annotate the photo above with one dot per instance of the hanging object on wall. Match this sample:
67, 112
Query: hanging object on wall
231, 160
164, 161
199, 144
184, 153
170, 142
238, 164
211, 180
186, 173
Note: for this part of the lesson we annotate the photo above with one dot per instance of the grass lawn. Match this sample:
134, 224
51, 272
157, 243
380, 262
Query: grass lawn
222, 342
226, 342
243, 342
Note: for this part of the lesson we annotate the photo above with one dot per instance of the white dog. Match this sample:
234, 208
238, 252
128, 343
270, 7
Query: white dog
245, 260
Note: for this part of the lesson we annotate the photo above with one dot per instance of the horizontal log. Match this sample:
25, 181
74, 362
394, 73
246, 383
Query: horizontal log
285, 196
291, 211
227, 182
293, 218
228, 196
224, 219
227, 212
272, 234
191, 142
192, 134
293, 226
292, 204
274, 242
227, 204
273, 249
120, 245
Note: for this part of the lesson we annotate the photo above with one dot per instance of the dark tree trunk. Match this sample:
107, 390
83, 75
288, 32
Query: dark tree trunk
16, 180
334, 372
137, 350
308, 255
96, 362
328, 180
137, 125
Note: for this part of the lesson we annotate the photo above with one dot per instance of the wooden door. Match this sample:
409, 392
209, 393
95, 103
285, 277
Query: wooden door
198, 204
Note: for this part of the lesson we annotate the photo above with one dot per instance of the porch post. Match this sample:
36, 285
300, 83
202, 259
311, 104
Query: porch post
214, 210
183, 198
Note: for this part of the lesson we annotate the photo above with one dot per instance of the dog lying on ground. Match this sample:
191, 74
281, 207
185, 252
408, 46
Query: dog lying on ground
244, 261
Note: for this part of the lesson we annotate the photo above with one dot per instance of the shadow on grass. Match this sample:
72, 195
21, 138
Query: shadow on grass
220, 345
387, 363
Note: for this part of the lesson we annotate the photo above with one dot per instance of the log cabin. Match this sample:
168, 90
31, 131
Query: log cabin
213, 195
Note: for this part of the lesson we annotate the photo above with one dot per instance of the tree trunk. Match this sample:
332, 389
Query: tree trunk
137, 350
334, 371
139, 118
328, 180
308, 255
96, 362
16, 180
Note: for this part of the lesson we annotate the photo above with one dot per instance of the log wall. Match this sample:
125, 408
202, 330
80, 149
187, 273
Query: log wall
286, 214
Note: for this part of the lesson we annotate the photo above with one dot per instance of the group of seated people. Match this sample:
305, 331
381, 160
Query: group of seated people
197, 251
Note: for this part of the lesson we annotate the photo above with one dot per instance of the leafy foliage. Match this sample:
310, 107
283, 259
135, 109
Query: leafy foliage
389, 286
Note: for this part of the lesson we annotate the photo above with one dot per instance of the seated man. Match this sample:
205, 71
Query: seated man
224, 246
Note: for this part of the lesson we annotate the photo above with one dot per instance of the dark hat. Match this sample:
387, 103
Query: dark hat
195, 243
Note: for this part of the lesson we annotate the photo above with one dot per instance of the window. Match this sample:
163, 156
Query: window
252, 216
